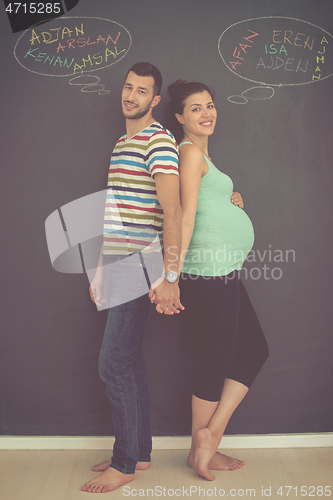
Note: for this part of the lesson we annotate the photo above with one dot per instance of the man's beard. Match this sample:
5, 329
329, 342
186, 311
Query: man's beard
140, 113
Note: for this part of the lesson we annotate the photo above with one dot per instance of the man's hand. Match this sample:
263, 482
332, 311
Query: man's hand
96, 289
166, 296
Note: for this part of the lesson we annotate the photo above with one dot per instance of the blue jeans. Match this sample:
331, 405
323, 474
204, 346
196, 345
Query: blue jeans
122, 368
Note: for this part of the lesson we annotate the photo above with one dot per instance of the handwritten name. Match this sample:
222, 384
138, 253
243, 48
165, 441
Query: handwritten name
242, 47
320, 59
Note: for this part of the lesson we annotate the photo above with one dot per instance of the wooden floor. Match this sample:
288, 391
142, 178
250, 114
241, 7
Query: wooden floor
58, 475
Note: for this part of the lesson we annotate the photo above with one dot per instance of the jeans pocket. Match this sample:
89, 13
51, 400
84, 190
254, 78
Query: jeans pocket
124, 281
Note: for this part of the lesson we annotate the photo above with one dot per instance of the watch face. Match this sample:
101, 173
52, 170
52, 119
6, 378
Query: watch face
171, 276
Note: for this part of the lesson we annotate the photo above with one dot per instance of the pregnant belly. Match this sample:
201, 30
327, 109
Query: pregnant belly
227, 233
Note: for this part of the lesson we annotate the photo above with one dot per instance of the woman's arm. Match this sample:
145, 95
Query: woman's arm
192, 164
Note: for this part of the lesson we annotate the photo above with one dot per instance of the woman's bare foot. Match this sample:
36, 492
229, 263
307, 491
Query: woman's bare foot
218, 462
109, 480
205, 446
223, 462
102, 466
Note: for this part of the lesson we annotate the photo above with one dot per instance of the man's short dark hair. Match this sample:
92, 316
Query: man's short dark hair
147, 69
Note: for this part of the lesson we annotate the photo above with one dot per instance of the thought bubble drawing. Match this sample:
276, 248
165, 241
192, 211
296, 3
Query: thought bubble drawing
73, 46
275, 52
254, 93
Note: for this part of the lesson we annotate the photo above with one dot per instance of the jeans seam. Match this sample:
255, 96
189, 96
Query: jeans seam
139, 411
130, 442
119, 469
120, 389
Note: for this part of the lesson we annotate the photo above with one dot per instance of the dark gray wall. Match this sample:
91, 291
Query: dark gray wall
56, 144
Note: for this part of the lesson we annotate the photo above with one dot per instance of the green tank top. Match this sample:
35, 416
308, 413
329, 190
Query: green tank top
223, 234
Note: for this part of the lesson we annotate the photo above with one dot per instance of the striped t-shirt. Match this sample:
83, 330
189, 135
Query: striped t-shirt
133, 216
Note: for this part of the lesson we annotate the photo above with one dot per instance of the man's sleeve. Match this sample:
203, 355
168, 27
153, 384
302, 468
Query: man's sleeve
162, 154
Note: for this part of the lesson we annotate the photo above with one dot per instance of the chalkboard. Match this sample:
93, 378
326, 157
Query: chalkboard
270, 66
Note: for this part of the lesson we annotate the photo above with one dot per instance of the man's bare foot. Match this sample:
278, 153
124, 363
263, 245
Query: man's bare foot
109, 480
142, 466
218, 462
205, 446
102, 466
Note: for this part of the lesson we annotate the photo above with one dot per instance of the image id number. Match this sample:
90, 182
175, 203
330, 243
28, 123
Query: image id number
305, 491
34, 8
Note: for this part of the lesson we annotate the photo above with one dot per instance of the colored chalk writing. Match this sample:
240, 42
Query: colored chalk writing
277, 51
240, 49
320, 58
72, 46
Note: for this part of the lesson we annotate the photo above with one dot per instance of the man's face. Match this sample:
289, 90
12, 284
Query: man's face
137, 97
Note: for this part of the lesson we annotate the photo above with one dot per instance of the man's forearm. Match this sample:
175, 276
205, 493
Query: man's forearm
187, 232
172, 225
100, 258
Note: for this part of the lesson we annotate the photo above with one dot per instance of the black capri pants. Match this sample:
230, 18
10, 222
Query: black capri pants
227, 340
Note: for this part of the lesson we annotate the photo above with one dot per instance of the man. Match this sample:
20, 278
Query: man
143, 206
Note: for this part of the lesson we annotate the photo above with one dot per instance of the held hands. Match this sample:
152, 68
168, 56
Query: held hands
236, 199
166, 296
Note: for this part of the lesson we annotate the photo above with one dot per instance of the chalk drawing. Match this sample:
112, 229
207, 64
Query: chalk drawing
73, 46
276, 51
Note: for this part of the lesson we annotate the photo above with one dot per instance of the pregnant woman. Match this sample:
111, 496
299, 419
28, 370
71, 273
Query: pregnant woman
229, 347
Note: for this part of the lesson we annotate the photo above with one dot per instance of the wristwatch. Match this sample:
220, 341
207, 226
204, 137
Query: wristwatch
171, 276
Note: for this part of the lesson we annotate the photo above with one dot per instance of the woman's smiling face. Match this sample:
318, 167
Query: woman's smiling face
199, 114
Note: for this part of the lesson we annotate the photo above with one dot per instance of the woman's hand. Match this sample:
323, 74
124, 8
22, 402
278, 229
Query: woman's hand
166, 297
236, 199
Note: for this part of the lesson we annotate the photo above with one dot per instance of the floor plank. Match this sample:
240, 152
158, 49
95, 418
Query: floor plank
58, 475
